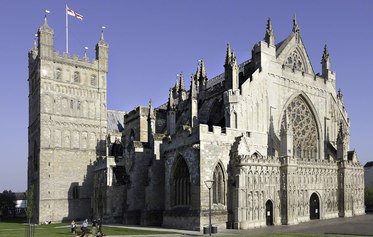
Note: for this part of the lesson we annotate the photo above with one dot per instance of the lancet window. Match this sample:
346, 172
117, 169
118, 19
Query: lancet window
218, 188
181, 183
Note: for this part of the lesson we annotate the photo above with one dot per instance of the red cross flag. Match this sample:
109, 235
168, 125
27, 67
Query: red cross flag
73, 13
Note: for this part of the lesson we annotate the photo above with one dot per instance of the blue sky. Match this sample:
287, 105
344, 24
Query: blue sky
152, 41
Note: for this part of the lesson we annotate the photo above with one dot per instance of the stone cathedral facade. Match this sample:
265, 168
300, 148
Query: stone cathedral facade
271, 134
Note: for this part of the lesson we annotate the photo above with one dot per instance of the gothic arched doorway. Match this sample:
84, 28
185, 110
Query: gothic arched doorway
269, 212
314, 207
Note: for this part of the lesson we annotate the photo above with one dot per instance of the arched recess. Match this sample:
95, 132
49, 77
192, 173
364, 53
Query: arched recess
216, 114
180, 183
306, 126
218, 188
314, 206
269, 212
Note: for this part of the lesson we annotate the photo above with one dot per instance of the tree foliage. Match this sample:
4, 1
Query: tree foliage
30, 204
7, 203
369, 197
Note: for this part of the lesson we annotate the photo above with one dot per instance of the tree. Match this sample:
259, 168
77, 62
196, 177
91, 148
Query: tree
7, 203
29, 209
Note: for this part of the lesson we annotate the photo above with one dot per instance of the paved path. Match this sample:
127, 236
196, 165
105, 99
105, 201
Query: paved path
358, 225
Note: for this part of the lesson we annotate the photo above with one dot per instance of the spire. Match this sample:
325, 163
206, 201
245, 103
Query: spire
325, 62
151, 124
231, 70
102, 36
102, 39
228, 55
269, 37
295, 25
201, 75
203, 69
171, 103
182, 91
176, 87
45, 21
182, 83
45, 40
325, 56
151, 110
193, 101
102, 51
193, 87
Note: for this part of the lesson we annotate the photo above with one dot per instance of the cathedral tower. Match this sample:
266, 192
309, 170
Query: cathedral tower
67, 127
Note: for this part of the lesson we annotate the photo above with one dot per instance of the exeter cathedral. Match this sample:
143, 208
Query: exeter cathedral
270, 134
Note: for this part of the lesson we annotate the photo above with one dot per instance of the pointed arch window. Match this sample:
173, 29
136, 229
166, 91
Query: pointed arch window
93, 80
295, 61
181, 184
305, 131
76, 77
58, 74
218, 188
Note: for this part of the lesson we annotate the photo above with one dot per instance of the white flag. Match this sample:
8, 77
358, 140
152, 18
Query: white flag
73, 13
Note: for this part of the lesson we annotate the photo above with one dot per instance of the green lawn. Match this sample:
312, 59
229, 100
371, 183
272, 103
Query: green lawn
13, 229
8, 229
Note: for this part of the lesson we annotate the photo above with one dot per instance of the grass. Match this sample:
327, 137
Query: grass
17, 229
11, 229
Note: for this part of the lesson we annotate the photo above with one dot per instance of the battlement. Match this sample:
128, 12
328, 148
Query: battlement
75, 60
217, 130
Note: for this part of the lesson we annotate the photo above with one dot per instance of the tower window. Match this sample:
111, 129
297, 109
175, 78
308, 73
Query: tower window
75, 192
71, 104
93, 80
58, 74
76, 77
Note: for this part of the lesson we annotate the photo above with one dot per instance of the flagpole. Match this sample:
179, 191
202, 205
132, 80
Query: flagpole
67, 31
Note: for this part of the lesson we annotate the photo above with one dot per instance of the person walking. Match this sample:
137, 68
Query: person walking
84, 228
99, 225
73, 227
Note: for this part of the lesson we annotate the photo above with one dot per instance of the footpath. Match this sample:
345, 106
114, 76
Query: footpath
357, 225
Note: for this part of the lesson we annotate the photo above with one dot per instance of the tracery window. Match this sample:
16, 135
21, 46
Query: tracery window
76, 77
305, 135
181, 183
295, 61
218, 188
